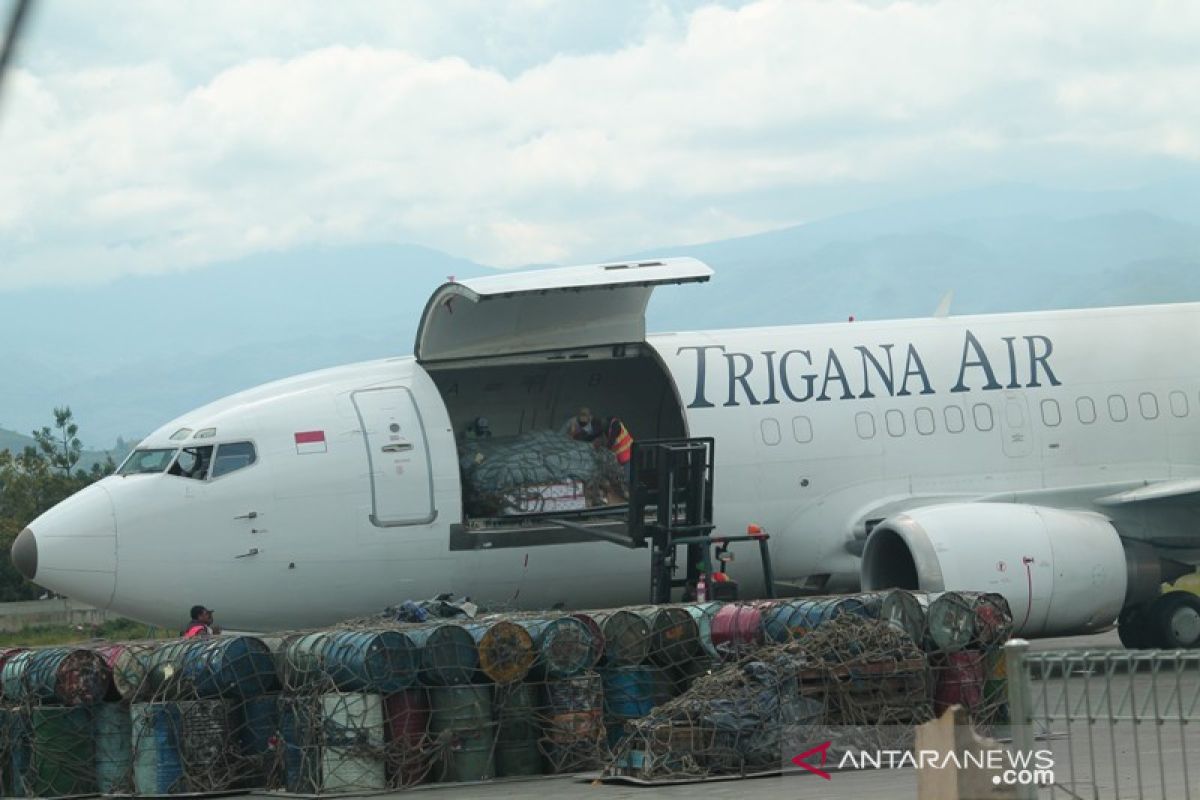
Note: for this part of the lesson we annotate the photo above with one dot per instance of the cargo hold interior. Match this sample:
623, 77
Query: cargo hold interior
519, 394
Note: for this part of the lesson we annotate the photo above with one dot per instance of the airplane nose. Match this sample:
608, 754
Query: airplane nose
74, 549
24, 554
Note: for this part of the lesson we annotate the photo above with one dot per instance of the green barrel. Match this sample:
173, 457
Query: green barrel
298, 660
626, 637
517, 731
62, 759
674, 635
112, 729
903, 611
449, 654
461, 716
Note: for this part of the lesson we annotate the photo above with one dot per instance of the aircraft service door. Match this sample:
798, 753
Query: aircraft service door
397, 455
1015, 427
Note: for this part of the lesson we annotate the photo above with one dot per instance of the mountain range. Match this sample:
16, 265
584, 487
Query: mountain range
129, 355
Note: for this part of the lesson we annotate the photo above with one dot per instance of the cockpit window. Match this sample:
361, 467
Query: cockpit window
192, 462
142, 462
232, 457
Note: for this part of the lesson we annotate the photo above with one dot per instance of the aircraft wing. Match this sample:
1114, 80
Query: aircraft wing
1157, 490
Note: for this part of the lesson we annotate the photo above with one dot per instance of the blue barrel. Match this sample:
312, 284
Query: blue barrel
300, 726
12, 676
213, 667
370, 661
632, 692
565, 646
62, 758
181, 747
449, 654
798, 617
113, 734
255, 725
69, 676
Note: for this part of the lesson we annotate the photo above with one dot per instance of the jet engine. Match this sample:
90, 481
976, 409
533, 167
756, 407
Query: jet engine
1062, 572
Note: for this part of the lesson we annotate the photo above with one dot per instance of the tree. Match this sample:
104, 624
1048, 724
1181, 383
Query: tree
34, 480
61, 446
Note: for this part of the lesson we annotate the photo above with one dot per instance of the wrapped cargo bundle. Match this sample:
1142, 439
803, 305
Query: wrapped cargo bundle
855, 681
537, 472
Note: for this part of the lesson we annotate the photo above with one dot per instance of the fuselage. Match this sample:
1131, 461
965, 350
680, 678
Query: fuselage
819, 430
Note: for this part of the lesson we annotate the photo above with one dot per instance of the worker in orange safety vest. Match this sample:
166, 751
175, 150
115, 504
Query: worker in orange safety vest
620, 442
201, 624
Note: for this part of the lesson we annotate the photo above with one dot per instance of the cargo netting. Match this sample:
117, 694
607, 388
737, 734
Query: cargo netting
538, 472
648, 693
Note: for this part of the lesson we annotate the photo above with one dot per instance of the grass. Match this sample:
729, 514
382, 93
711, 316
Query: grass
116, 630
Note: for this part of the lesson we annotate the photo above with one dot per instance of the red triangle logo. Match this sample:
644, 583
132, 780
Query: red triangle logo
802, 760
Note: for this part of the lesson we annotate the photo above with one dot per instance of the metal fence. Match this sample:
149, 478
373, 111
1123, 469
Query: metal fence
1119, 723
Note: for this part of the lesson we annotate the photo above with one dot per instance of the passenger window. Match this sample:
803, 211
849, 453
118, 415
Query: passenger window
894, 421
984, 420
1118, 411
232, 457
865, 423
802, 430
1085, 407
955, 423
1051, 413
924, 419
192, 462
770, 431
1179, 404
1148, 405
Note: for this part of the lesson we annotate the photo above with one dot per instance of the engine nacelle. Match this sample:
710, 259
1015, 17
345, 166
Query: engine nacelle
1062, 572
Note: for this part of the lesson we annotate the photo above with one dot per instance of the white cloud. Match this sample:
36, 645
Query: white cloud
553, 131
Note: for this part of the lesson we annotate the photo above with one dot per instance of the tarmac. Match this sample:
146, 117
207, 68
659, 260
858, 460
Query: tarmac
1170, 778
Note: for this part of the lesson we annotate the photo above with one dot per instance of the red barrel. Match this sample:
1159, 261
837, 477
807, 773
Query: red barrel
406, 716
737, 625
960, 681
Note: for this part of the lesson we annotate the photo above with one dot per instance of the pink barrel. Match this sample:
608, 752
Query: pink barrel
737, 625
960, 681
406, 716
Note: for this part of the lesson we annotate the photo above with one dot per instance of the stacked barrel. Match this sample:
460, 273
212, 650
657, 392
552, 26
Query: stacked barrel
379, 705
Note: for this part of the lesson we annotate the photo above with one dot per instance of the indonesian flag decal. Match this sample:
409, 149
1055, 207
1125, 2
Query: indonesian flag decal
308, 442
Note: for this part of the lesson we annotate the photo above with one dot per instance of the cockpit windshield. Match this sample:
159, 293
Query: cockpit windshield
142, 462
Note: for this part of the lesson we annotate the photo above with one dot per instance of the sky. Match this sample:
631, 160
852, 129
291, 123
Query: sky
146, 137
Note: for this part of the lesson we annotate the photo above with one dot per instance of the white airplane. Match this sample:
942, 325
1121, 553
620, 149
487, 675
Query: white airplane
1053, 457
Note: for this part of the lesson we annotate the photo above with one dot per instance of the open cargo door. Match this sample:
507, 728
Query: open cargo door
549, 309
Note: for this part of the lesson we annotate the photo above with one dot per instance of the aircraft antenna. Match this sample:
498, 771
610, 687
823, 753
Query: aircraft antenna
943, 308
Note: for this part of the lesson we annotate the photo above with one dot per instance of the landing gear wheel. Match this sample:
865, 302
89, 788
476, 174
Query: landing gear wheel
1133, 628
1175, 621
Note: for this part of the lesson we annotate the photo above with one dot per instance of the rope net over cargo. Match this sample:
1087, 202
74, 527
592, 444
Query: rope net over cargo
538, 472
647, 692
